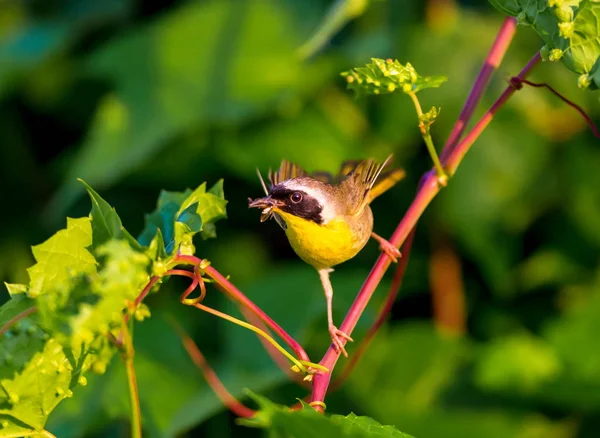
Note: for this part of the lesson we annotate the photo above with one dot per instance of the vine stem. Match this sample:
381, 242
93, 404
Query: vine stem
24, 314
426, 134
271, 350
134, 396
426, 193
211, 377
491, 64
226, 286
385, 310
461, 148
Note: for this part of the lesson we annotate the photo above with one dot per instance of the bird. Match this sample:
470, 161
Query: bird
327, 218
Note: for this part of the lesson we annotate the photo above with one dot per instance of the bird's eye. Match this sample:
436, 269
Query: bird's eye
296, 197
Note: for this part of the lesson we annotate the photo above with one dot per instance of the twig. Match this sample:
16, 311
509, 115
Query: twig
271, 350
518, 83
461, 149
386, 308
211, 377
299, 365
24, 314
237, 295
134, 396
492, 62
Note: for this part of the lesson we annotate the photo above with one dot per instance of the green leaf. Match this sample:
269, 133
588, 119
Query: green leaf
570, 30
98, 309
15, 289
106, 223
429, 117
60, 257
387, 76
39, 371
308, 423
36, 372
181, 215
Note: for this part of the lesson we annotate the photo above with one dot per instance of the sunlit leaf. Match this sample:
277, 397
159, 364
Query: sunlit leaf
36, 372
60, 257
106, 223
568, 27
308, 423
181, 215
383, 76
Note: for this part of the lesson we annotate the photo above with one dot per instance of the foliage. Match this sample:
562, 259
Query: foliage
386, 76
85, 278
570, 30
306, 422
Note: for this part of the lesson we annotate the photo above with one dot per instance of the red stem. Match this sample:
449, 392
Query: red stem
383, 312
426, 193
518, 83
24, 314
281, 361
461, 149
211, 377
492, 62
237, 295
227, 287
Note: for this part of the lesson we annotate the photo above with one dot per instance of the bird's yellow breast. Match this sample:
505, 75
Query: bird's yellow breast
326, 245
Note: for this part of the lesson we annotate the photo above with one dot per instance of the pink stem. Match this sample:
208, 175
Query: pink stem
237, 295
211, 377
279, 360
426, 193
492, 62
383, 312
461, 149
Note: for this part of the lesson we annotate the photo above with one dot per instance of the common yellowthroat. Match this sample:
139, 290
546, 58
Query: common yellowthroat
327, 218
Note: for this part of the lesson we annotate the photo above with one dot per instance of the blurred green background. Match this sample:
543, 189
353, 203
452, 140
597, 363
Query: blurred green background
495, 330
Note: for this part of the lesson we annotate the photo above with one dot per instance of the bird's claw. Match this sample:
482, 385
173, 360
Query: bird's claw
391, 251
338, 344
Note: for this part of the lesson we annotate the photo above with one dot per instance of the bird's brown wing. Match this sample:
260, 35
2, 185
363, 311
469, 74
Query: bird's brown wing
365, 180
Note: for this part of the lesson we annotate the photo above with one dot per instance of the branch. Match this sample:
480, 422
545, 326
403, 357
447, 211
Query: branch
196, 277
211, 377
237, 295
24, 314
383, 312
492, 62
271, 350
461, 149
426, 193
518, 83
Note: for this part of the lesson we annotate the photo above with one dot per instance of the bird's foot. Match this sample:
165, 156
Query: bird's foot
392, 252
337, 338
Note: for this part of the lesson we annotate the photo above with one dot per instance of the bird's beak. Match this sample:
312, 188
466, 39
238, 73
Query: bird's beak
267, 204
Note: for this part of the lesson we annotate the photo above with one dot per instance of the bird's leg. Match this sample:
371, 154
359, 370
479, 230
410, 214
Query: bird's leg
335, 333
385, 246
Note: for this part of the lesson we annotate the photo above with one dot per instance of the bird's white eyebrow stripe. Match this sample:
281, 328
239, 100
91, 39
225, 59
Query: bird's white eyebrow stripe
328, 213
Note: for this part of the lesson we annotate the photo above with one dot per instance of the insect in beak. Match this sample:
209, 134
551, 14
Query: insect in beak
267, 204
